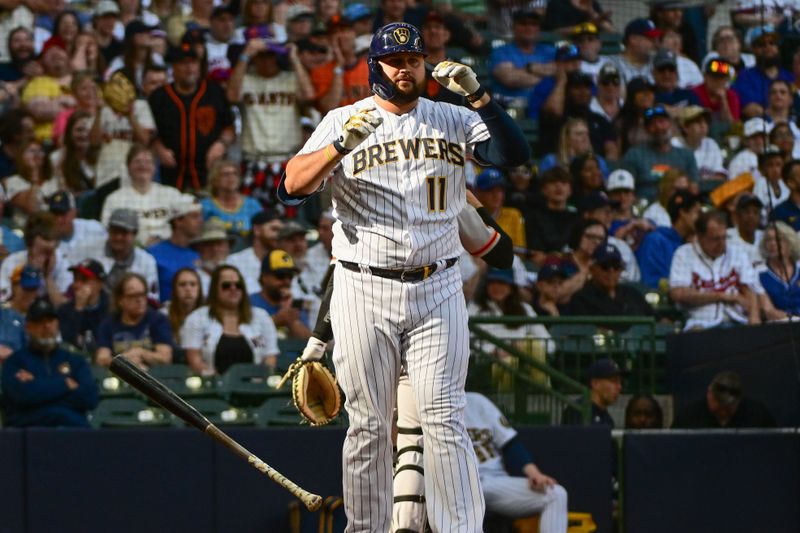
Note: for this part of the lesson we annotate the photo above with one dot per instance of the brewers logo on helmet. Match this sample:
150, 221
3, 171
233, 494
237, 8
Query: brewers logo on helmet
391, 39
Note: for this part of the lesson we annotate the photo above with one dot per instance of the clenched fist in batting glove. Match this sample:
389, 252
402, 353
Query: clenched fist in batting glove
457, 77
359, 127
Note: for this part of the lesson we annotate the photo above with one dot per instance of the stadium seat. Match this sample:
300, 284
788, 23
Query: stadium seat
246, 385
127, 413
221, 414
109, 385
185, 383
611, 44
278, 411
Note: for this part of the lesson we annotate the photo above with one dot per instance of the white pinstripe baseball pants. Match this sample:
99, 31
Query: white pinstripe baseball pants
378, 325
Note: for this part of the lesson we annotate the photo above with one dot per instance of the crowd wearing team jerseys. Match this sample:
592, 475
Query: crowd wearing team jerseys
672, 166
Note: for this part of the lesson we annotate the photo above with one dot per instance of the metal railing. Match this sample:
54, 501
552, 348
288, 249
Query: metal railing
535, 377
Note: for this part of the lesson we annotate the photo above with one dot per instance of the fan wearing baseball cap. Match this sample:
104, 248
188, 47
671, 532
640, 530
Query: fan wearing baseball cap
752, 84
694, 123
603, 294
82, 313
657, 248
671, 91
564, 17
605, 384
640, 41
43, 384
745, 233
25, 284
522, 63
46, 89
649, 161
568, 60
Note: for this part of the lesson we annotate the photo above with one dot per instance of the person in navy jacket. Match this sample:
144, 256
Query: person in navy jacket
43, 384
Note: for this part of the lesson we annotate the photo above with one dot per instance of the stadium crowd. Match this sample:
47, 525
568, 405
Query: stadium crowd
154, 230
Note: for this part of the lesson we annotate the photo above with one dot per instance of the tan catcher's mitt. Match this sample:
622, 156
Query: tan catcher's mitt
314, 391
119, 93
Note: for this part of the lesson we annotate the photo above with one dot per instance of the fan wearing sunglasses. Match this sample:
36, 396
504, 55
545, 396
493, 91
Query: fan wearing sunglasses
716, 95
228, 330
277, 272
603, 295
752, 84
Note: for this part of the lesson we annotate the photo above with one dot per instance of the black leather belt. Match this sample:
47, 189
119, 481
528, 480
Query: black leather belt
402, 274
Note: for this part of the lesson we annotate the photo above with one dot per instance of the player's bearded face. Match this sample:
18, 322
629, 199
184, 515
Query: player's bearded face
406, 72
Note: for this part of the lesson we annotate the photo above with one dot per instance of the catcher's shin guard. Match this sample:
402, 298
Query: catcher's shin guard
409, 513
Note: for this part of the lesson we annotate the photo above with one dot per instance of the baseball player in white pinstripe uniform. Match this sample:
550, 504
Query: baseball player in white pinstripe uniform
396, 299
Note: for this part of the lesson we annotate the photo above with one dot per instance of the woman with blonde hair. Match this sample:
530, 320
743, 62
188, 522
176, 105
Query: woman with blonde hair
673, 180
573, 141
780, 248
226, 202
228, 330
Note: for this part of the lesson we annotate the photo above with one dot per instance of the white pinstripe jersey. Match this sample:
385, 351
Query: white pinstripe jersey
399, 192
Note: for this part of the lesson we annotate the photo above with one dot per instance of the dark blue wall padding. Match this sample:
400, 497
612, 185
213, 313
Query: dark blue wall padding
579, 458
248, 501
12, 481
119, 481
702, 482
767, 357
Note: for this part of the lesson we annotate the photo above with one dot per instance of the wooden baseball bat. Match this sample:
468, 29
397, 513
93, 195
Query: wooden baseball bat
155, 390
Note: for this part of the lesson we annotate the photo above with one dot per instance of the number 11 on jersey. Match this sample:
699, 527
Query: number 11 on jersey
436, 193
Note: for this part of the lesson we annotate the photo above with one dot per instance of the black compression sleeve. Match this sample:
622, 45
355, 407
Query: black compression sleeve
322, 329
506, 146
502, 255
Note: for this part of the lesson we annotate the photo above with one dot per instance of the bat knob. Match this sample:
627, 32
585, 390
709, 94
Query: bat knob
313, 502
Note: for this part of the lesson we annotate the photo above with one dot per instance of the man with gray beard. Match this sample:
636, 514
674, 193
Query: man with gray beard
649, 161
43, 384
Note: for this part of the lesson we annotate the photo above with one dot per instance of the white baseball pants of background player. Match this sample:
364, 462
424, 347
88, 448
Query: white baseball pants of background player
505, 495
380, 324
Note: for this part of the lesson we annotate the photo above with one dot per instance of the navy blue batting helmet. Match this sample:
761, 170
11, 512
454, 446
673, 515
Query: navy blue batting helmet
391, 39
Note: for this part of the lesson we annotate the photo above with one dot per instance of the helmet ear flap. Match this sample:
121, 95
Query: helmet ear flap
378, 82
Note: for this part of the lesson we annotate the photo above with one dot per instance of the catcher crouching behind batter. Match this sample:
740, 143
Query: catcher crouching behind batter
397, 300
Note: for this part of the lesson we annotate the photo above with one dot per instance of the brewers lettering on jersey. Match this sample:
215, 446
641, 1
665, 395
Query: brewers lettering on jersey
398, 187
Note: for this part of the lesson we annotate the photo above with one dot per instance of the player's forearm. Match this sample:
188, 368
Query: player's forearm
506, 146
322, 329
305, 173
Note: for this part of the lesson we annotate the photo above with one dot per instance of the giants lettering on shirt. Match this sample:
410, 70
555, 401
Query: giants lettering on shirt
391, 151
721, 285
269, 98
